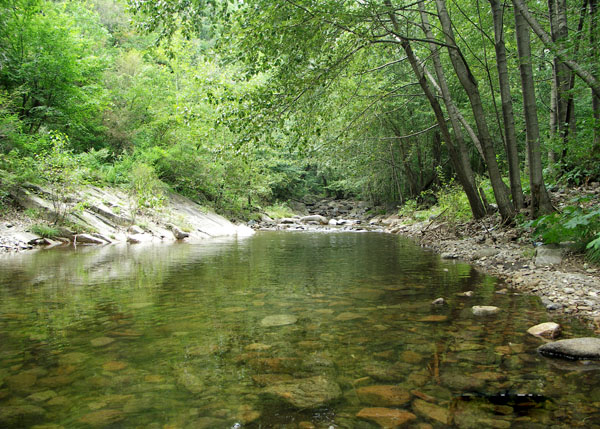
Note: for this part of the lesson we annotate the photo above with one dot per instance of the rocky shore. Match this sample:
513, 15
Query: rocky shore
101, 216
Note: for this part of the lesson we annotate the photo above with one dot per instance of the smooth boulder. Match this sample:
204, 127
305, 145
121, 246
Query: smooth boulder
278, 320
586, 348
484, 310
549, 330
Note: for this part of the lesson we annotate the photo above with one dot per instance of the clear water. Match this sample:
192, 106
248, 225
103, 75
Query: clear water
173, 336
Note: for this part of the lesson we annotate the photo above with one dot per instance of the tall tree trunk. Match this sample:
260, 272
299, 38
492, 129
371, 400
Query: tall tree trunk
442, 86
595, 45
590, 80
469, 83
571, 119
463, 171
540, 202
561, 74
553, 125
512, 151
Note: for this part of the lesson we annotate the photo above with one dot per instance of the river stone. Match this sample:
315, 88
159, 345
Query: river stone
574, 349
101, 341
257, 347
383, 395
545, 255
386, 417
22, 381
549, 330
314, 218
73, 358
20, 415
191, 382
307, 393
344, 317
114, 365
485, 253
268, 379
432, 411
88, 239
484, 310
42, 396
462, 382
278, 320
434, 318
102, 417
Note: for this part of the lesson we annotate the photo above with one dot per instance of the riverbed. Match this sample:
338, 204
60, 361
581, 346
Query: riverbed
282, 330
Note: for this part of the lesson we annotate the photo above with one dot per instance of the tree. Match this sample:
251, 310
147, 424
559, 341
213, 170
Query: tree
540, 202
469, 83
49, 71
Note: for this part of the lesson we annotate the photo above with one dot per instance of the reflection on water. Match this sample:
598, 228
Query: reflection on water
293, 330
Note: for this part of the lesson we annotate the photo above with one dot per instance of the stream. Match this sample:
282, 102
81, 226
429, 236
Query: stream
278, 330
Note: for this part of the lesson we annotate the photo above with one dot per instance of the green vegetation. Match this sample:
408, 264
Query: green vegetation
575, 224
44, 230
279, 211
243, 105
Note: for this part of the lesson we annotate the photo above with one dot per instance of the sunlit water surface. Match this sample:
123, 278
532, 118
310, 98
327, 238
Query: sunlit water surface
175, 336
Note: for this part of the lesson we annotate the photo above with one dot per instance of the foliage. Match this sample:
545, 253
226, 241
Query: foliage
57, 167
44, 230
278, 211
574, 223
147, 191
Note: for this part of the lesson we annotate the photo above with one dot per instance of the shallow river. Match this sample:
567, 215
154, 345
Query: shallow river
280, 330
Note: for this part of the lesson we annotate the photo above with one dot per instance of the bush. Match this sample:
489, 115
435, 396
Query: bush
58, 167
147, 191
575, 223
278, 211
45, 231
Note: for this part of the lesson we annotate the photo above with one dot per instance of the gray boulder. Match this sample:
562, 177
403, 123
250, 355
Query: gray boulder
548, 255
314, 218
484, 310
586, 348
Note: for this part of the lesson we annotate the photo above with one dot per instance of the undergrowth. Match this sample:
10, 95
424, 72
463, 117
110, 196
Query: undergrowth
575, 224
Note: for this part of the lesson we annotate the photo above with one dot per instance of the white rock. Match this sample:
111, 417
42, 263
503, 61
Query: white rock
546, 330
484, 310
88, 239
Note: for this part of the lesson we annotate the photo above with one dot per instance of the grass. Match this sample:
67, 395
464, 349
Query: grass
45, 231
278, 211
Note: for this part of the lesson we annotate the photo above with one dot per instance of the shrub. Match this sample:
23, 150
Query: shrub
278, 211
45, 231
574, 223
147, 191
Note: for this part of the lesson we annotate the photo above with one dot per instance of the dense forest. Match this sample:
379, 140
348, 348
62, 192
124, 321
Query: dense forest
241, 105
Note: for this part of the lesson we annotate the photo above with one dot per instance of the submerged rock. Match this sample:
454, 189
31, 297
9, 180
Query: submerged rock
546, 330
308, 393
102, 417
20, 415
386, 417
383, 395
101, 341
484, 310
432, 411
278, 320
587, 348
